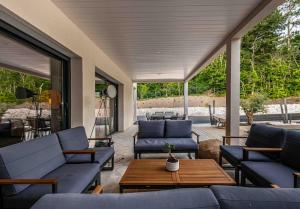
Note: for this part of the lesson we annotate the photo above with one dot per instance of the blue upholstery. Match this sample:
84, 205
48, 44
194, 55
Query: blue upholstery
73, 139
183, 143
178, 129
267, 173
103, 154
30, 160
200, 198
234, 155
72, 178
158, 144
265, 136
150, 144
256, 198
290, 154
151, 129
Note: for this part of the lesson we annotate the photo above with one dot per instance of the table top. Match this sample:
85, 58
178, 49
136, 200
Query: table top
192, 173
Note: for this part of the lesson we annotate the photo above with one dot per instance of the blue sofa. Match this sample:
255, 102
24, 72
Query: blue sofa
283, 173
76, 139
152, 137
260, 136
29, 170
217, 197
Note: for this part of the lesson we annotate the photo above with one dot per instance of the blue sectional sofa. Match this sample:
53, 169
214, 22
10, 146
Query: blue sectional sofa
29, 170
152, 137
217, 197
260, 136
76, 139
282, 173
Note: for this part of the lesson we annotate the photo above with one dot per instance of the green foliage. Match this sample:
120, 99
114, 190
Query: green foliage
170, 147
10, 80
270, 62
253, 104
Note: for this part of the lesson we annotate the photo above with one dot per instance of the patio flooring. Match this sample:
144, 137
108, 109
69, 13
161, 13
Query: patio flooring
124, 152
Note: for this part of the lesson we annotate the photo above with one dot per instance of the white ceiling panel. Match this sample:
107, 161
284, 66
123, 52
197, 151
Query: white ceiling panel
157, 39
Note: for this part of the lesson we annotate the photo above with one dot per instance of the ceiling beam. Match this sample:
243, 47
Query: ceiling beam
157, 81
26, 71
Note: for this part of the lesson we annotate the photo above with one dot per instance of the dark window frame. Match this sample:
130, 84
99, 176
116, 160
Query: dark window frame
110, 81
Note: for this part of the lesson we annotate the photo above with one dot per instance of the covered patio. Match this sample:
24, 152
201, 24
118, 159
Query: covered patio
106, 49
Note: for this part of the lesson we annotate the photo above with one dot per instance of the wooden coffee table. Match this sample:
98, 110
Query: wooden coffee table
151, 174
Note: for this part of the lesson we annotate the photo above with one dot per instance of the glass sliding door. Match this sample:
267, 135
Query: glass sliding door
33, 91
106, 108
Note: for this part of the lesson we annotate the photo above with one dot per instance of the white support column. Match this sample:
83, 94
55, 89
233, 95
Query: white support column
233, 89
134, 101
186, 99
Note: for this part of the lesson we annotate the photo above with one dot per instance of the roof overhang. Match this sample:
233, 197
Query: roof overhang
164, 40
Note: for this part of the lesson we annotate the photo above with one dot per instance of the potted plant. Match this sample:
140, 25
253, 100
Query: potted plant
172, 163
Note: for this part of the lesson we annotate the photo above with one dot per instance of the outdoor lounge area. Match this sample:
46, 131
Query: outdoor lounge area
136, 104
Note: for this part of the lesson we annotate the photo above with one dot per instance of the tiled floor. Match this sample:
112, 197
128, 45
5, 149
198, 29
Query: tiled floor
124, 152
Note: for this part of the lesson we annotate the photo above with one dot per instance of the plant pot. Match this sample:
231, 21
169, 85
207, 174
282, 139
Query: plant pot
172, 166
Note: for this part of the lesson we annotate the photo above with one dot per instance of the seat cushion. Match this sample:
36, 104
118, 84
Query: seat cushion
265, 136
256, 198
267, 173
183, 143
159, 144
30, 160
234, 155
178, 129
150, 144
72, 178
199, 198
73, 139
103, 154
290, 154
151, 129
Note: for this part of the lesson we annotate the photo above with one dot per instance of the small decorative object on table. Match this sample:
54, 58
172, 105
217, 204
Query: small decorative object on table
172, 163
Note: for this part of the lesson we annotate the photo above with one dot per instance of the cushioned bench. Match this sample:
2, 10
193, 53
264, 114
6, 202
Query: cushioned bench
283, 173
32, 169
260, 136
76, 139
218, 197
152, 137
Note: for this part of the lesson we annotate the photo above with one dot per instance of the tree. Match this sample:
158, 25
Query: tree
270, 61
254, 104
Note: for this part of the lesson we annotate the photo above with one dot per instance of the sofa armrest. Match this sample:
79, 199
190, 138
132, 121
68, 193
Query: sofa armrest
84, 152
232, 137
258, 149
197, 135
98, 190
135, 137
52, 182
296, 179
108, 139
275, 186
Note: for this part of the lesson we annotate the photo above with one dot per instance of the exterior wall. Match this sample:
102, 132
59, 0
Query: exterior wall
46, 17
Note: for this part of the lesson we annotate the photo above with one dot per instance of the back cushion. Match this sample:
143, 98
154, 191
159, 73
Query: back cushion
290, 154
30, 160
178, 129
265, 136
73, 139
151, 129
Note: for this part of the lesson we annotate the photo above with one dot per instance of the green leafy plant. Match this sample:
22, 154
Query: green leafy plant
170, 148
253, 104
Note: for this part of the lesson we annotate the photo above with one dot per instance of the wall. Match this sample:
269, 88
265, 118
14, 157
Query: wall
47, 18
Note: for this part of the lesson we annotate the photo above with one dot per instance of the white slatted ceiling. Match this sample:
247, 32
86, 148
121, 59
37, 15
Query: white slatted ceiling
157, 39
